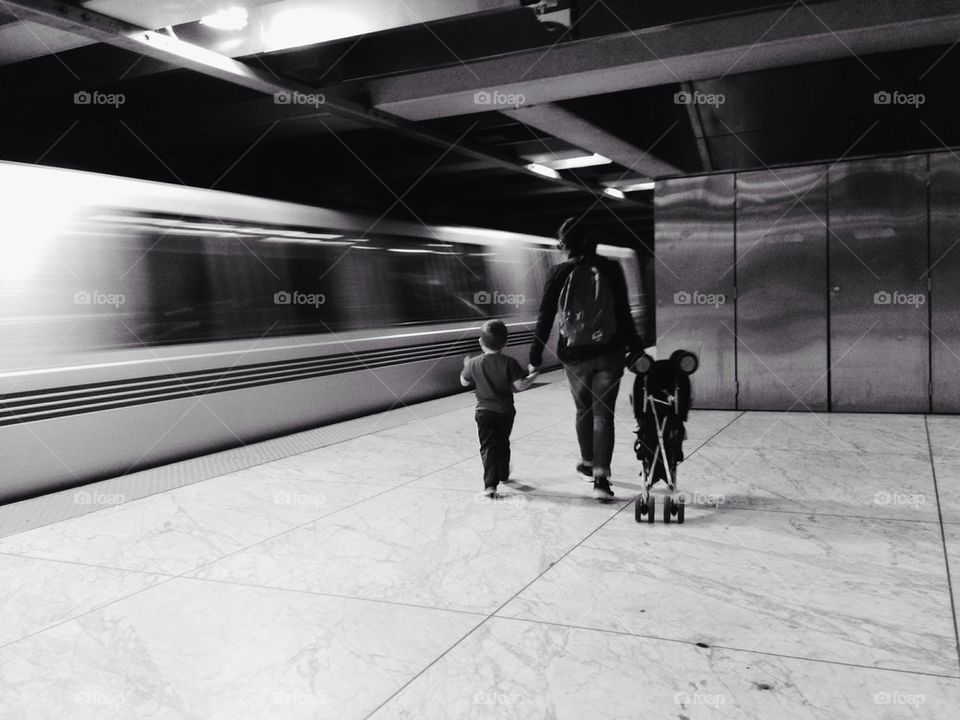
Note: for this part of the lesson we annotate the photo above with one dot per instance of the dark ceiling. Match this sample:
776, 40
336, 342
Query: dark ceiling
179, 126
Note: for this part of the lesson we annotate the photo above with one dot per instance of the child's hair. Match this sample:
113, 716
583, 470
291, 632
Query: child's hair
493, 334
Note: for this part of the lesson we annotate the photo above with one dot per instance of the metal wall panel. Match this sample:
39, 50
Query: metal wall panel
945, 272
782, 289
694, 224
878, 260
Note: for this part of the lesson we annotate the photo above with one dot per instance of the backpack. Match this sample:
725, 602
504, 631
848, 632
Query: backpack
586, 307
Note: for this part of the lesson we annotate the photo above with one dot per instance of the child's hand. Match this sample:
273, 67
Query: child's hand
466, 359
533, 371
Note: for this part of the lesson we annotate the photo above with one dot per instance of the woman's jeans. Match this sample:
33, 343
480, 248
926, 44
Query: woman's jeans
595, 383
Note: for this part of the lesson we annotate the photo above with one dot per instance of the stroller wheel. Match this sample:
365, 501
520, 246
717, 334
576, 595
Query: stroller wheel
680, 506
667, 509
639, 510
651, 509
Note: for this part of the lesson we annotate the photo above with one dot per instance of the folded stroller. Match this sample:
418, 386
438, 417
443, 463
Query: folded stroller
661, 403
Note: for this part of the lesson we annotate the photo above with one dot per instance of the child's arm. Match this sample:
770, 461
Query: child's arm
523, 383
464, 378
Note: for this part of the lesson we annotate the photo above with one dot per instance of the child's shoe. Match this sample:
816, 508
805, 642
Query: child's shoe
490, 492
585, 470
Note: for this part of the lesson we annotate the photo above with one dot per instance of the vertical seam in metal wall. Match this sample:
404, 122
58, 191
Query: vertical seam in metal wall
736, 303
827, 288
929, 184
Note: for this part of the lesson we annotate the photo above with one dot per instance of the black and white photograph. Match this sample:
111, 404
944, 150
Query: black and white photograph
479, 360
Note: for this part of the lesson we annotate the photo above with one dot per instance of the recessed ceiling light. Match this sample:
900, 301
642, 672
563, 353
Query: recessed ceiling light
231, 18
543, 170
614, 193
636, 187
579, 161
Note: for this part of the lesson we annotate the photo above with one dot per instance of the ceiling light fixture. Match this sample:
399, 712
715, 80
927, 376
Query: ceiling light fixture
614, 193
543, 170
231, 18
579, 161
637, 187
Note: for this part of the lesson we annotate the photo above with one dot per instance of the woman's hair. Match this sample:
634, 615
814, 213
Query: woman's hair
574, 238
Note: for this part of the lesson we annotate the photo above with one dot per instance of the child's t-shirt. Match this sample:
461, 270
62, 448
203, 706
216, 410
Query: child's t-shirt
493, 375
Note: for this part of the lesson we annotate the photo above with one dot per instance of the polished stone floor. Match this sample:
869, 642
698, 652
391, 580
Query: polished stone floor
370, 579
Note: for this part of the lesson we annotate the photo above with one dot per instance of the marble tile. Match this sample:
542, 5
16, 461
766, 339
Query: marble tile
190, 649
948, 486
176, 531
840, 483
944, 435
869, 592
437, 548
514, 670
815, 432
377, 459
951, 532
35, 594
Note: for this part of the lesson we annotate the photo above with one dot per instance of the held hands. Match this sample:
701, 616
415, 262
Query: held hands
466, 359
532, 371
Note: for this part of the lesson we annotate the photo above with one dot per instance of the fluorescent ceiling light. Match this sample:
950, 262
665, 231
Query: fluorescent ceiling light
579, 161
636, 187
614, 193
231, 18
543, 170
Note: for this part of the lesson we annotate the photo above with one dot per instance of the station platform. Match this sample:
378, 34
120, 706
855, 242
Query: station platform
356, 571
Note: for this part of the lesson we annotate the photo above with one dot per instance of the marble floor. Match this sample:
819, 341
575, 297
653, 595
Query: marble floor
370, 579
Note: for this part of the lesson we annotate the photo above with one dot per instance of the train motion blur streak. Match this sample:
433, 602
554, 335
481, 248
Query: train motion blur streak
145, 322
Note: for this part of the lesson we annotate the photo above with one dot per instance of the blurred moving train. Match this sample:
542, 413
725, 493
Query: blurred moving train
144, 322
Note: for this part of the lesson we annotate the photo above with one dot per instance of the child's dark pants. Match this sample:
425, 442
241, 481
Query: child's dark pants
494, 430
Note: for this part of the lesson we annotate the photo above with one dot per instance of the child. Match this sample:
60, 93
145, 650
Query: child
496, 377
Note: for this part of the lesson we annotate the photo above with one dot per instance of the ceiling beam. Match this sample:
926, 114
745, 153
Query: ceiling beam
180, 54
570, 127
771, 38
